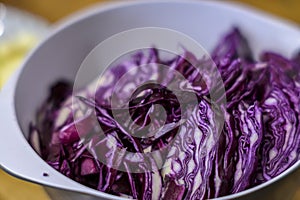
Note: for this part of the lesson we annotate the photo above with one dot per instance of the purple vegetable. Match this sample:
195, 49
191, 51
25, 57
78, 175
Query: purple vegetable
249, 120
189, 163
167, 136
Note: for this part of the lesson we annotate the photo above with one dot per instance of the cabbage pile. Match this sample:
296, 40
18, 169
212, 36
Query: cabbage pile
258, 139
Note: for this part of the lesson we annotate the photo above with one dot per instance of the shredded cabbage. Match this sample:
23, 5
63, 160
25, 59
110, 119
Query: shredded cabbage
260, 137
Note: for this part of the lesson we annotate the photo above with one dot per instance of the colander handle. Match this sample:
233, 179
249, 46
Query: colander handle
18, 158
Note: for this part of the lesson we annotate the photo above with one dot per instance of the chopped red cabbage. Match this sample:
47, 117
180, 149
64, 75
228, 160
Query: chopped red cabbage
260, 137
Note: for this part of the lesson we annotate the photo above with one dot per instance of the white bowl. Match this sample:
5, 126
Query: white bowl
60, 55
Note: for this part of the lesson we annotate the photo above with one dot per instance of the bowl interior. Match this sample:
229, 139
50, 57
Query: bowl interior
60, 56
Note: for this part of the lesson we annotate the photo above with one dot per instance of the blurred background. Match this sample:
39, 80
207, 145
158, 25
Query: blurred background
23, 23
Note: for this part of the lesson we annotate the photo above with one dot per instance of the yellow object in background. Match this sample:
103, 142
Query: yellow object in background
14, 189
12, 53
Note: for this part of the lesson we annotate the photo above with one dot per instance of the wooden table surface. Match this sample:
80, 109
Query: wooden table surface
53, 10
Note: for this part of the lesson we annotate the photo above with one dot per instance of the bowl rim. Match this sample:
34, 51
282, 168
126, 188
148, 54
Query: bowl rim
8, 91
